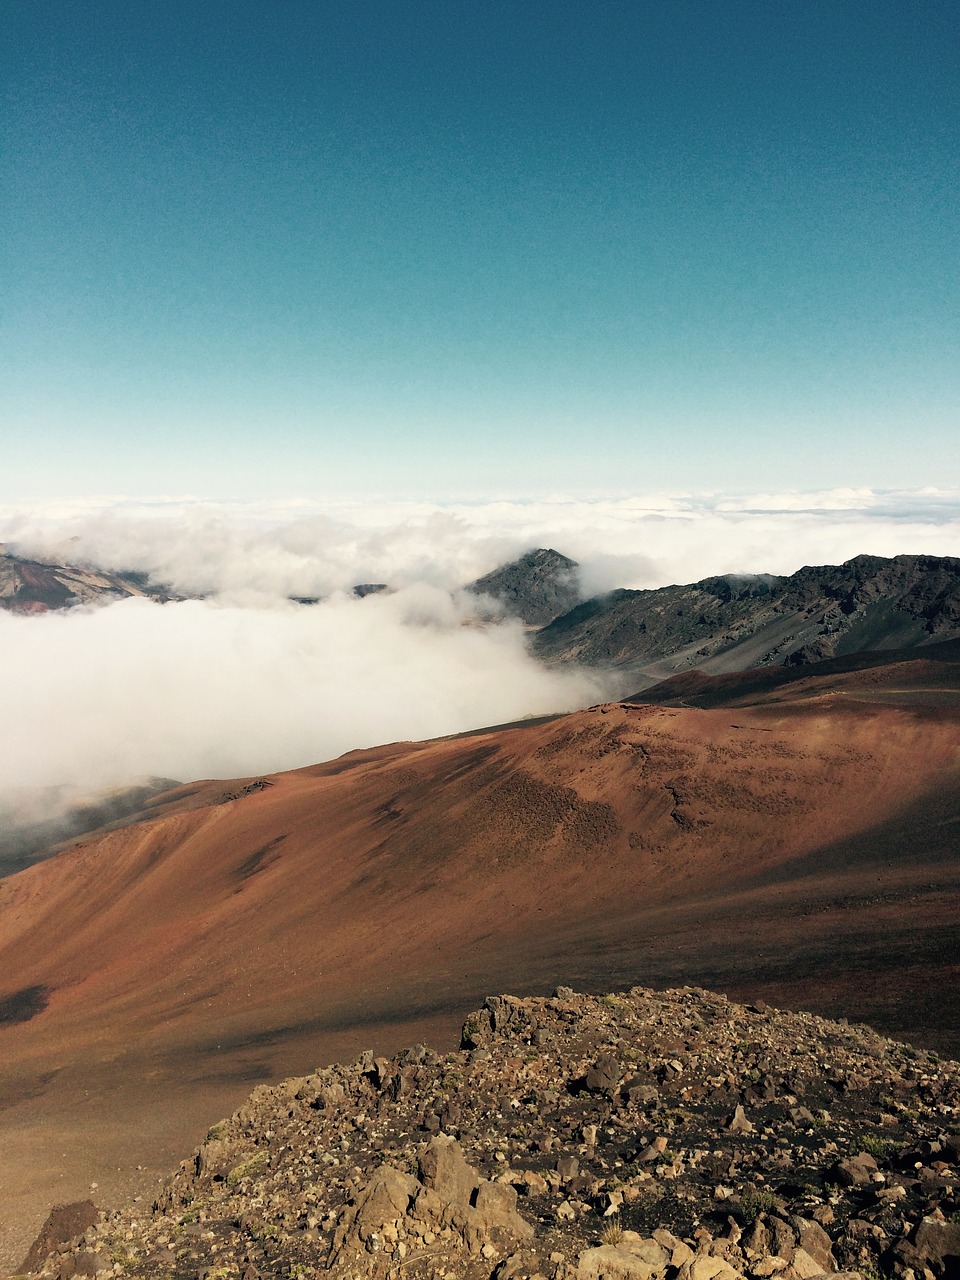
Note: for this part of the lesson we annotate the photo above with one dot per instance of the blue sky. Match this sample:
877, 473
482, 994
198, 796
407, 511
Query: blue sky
463, 249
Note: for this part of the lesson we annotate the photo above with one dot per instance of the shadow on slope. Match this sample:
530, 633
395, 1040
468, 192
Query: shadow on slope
804, 849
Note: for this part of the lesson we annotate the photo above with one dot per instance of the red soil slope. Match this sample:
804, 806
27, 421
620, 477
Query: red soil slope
805, 851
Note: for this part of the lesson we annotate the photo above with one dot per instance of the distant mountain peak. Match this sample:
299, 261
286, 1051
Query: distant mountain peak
537, 587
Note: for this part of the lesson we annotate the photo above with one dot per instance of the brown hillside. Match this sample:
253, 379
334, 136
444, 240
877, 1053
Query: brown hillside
804, 851
32, 586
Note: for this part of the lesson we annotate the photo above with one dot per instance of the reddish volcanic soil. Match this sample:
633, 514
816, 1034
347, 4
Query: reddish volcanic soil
803, 849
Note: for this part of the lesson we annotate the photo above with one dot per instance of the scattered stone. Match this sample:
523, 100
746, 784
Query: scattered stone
622, 1124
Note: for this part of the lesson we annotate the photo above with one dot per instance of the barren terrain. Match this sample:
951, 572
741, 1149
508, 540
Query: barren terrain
803, 849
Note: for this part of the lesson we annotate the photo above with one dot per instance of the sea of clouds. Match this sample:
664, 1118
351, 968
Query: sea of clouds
246, 682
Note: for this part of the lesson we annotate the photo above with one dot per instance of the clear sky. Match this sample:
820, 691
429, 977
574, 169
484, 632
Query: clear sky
478, 246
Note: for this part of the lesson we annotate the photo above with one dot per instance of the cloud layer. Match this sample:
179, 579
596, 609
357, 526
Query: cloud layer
200, 689
254, 552
246, 682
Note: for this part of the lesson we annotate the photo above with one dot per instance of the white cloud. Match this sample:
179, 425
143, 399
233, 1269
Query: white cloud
261, 550
245, 682
200, 689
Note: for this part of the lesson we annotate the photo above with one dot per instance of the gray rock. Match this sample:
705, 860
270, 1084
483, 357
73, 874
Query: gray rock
604, 1075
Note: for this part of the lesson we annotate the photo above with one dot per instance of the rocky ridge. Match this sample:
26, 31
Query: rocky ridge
732, 622
650, 1135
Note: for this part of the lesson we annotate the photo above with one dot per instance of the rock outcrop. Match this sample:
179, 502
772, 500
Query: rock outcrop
732, 623
642, 1136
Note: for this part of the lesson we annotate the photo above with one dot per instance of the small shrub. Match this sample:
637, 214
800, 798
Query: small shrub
612, 1233
246, 1169
753, 1203
879, 1148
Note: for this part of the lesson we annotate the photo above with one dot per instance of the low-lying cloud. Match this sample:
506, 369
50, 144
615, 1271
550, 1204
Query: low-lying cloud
252, 553
245, 682
96, 697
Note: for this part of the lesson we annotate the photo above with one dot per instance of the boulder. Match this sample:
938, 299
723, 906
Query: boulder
704, 1267
738, 1122
444, 1169
604, 1076
449, 1195
83, 1263
856, 1170
783, 1238
387, 1198
215, 1158
802, 1266
934, 1246
493, 1218
64, 1222
815, 1242
612, 1262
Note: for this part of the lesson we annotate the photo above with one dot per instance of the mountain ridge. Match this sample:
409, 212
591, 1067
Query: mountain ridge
537, 587
734, 622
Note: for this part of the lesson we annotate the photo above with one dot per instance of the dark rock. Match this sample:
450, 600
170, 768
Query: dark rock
537, 588
856, 1170
64, 1222
604, 1075
903, 602
934, 1246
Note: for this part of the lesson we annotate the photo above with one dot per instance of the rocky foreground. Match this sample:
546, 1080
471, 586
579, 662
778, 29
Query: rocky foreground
644, 1136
